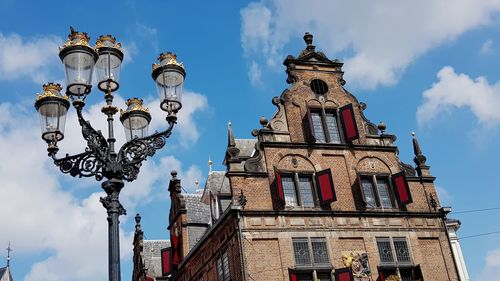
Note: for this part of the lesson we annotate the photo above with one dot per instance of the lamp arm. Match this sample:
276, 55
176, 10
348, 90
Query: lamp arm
133, 152
86, 164
95, 140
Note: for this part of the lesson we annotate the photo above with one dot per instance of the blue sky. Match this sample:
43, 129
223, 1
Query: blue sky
424, 66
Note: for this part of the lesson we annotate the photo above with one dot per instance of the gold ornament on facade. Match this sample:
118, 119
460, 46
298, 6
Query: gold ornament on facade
107, 41
76, 38
134, 104
51, 90
392, 278
167, 58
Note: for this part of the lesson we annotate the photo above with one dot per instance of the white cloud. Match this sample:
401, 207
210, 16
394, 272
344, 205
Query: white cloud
51, 215
33, 58
445, 198
255, 74
192, 104
378, 39
486, 47
459, 90
491, 270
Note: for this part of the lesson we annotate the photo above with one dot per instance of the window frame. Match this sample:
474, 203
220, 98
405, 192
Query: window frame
396, 265
220, 263
296, 175
312, 265
324, 124
375, 190
396, 262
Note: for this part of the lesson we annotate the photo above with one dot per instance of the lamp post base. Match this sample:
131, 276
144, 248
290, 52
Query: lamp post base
114, 209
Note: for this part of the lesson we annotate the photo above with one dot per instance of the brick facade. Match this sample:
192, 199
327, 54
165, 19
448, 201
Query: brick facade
258, 233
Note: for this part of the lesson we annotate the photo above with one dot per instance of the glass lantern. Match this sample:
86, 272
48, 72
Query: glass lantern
135, 119
52, 108
109, 63
79, 60
169, 76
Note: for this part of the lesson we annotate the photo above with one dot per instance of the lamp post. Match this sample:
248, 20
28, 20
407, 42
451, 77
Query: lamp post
100, 159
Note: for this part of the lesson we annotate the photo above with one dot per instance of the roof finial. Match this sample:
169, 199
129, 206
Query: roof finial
230, 136
308, 38
419, 159
416, 146
9, 249
210, 163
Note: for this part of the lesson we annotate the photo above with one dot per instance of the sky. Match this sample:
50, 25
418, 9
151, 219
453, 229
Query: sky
424, 66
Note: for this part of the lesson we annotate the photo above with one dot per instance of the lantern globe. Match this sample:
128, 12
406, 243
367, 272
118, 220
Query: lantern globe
109, 63
79, 60
52, 108
135, 119
169, 75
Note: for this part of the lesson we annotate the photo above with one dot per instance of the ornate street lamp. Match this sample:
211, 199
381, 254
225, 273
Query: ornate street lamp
99, 159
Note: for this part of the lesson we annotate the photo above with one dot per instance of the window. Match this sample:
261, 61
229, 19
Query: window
223, 273
395, 259
319, 86
324, 126
376, 192
298, 190
310, 252
393, 251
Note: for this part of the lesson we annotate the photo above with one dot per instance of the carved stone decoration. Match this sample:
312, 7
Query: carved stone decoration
358, 262
295, 162
254, 163
278, 122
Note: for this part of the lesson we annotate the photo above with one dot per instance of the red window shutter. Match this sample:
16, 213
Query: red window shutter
349, 123
176, 258
292, 274
401, 189
166, 261
279, 187
343, 274
380, 275
311, 133
324, 184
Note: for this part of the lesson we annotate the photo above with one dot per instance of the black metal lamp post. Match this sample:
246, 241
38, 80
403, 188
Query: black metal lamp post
100, 160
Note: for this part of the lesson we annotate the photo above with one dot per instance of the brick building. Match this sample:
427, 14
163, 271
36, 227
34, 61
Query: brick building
319, 193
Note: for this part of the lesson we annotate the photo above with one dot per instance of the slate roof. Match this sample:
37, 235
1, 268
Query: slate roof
5, 274
197, 211
217, 183
152, 256
246, 146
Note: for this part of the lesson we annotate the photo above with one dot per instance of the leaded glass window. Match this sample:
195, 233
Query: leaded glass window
366, 184
393, 250
289, 191
298, 190
401, 249
376, 191
324, 125
320, 251
306, 191
383, 192
301, 252
384, 250
333, 129
319, 132
223, 273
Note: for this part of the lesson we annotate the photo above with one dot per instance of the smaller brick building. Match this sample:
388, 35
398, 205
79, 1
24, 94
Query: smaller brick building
318, 193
